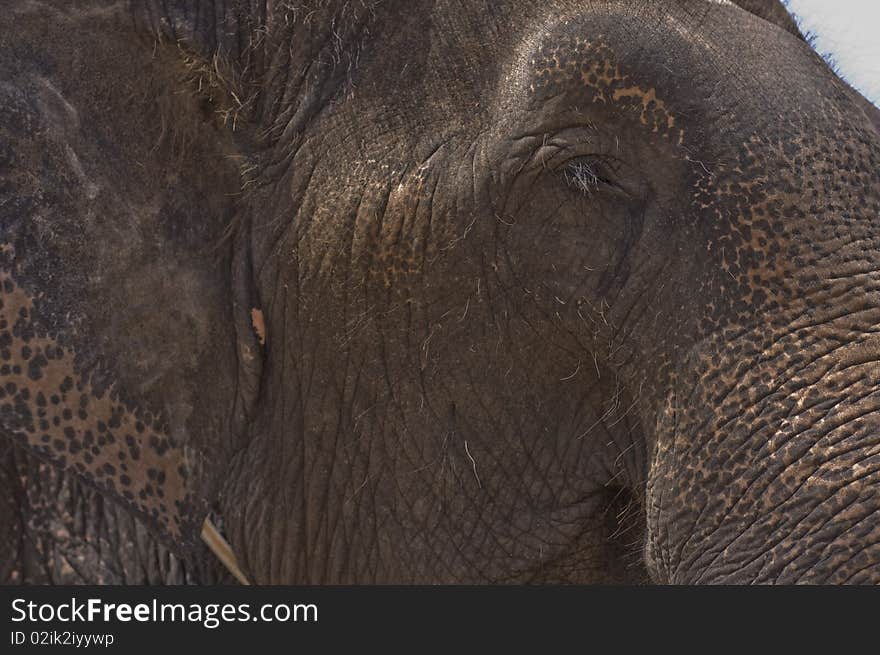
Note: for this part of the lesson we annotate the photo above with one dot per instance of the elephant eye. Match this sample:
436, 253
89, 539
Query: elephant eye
589, 174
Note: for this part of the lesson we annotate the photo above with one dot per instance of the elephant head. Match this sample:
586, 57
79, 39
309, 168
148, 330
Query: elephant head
444, 292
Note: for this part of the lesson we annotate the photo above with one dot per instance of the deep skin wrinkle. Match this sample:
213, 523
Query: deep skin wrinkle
503, 292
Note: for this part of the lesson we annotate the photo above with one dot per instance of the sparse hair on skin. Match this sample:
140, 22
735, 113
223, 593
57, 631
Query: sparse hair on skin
582, 176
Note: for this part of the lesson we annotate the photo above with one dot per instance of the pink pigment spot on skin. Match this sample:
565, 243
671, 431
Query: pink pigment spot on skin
259, 324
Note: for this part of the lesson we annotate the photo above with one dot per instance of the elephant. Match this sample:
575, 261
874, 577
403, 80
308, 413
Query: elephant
432, 291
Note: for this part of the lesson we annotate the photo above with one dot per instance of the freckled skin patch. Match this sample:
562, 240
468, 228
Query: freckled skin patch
592, 63
65, 532
47, 406
781, 400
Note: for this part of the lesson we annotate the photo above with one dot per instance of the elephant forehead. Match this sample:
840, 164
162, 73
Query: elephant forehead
587, 70
671, 68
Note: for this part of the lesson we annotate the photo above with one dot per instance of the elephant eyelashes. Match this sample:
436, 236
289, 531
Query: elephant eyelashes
588, 174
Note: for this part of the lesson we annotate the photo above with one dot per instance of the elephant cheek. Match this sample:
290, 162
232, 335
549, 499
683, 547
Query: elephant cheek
786, 490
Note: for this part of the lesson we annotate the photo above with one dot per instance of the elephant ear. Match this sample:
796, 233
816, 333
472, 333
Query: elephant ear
121, 349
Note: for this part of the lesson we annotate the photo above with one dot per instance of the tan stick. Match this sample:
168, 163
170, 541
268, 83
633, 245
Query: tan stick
221, 548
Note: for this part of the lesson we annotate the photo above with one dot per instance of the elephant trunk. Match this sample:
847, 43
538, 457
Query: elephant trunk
766, 461
786, 490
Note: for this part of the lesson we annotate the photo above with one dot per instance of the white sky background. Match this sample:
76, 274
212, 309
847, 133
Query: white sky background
848, 31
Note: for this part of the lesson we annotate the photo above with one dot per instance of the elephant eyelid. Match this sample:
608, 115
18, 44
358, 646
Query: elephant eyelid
588, 174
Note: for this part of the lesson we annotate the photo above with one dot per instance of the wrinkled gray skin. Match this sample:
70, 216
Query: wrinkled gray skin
435, 291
